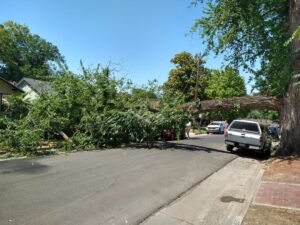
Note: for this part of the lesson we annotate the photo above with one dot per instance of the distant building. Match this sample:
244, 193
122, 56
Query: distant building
6, 88
34, 88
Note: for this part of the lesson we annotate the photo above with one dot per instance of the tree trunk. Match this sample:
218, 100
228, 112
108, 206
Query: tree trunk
290, 122
0, 102
290, 116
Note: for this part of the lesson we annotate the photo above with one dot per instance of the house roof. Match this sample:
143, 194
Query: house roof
39, 86
13, 87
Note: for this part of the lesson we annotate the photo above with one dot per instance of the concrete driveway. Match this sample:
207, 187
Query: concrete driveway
122, 186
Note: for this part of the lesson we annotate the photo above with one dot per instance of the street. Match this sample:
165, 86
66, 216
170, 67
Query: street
122, 186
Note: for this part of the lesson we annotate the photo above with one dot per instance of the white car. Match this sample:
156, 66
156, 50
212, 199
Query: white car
246, 134
216, 127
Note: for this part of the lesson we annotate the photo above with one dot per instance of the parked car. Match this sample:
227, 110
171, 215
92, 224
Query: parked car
247, 134
170, 135
216, 127
274, 131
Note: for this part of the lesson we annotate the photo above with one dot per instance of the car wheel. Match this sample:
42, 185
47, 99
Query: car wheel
229, 147
207, 132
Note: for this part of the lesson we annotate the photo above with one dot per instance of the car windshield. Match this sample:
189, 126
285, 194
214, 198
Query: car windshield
246, 126
215, 124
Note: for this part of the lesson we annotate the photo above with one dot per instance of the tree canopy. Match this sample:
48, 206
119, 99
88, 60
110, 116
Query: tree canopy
250, 33
258, 36
23, 54
188, 76
225, 84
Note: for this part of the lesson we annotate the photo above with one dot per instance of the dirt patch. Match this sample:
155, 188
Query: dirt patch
283, 170
263, 215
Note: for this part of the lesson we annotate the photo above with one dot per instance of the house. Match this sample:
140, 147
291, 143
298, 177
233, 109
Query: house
6, 88
34, 88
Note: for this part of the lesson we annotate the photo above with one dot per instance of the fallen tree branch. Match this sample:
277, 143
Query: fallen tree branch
62, 134
246, 102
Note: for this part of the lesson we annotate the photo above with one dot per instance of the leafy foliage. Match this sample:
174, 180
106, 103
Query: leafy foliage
263, 114
19, 135
248, 32
225, 84
146, 95
91, 111
18, 107
183, 79
23, 54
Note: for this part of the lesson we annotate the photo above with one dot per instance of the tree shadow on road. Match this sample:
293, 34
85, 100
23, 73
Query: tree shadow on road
22, 166
250, 153
244, 153
190, 147
176, 146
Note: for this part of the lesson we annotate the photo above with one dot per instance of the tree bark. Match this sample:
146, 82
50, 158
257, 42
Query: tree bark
0, 102
62, 134
290, 116
290, 122
247, 102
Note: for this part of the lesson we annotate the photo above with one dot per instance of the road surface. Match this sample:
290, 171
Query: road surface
122, 186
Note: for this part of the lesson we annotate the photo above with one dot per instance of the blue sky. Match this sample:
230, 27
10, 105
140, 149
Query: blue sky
140, 36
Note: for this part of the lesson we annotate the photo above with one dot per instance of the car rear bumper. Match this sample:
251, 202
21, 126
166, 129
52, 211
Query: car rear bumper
213, 130
243, 145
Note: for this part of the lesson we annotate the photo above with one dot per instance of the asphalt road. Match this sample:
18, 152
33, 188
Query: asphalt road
104, 187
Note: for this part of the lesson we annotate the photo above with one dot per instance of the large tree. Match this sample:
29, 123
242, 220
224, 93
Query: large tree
255, 32
189, 78
225, 84
250, 33
25, 54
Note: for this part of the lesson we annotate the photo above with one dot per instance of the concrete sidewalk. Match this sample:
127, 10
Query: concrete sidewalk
223, 198
278, 198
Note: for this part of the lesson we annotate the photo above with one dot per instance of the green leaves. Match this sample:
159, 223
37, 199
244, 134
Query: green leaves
18, 135
225, 84
250, 33
94, 111
189, 73
23, 54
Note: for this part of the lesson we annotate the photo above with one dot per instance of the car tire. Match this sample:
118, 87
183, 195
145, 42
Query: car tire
229, 147
207, 132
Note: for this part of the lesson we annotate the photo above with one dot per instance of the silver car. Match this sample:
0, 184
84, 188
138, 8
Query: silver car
246, 134
216, 127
